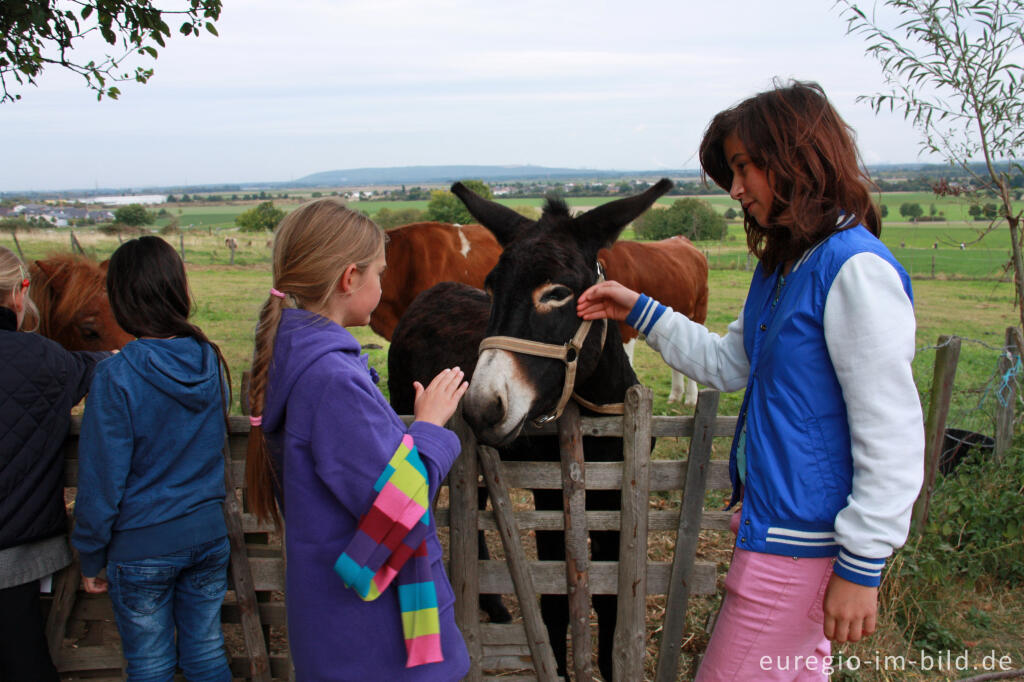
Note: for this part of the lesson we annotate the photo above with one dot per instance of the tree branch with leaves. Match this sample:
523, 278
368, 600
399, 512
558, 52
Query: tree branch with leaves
36, 34
953, 69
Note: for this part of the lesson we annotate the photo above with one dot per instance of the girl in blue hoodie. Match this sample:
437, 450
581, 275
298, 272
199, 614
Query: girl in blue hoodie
367, 593
151, 474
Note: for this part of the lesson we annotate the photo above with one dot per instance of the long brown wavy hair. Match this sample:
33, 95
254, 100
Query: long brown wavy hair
808, 152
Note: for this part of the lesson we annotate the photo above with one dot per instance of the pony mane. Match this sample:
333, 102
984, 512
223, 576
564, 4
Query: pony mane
81, 280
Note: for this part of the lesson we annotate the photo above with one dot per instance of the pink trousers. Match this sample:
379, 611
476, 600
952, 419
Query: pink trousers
771, 623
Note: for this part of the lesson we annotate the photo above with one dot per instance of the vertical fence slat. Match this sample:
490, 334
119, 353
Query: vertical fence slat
462, 501
245, 593
630, 630
690, 515
65, 591
946, 358
574, 498
1007, 392
536, 631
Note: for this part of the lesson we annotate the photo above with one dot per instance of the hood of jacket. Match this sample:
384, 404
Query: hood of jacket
183, 368
302, 339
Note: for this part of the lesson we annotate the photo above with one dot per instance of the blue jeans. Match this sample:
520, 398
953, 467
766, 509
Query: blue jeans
184, 591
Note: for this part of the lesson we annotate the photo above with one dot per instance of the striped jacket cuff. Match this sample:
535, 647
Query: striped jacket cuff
858, 569
645, 313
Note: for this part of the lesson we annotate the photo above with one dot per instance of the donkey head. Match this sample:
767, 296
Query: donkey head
545, 266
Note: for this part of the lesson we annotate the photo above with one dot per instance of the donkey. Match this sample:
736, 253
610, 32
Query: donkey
544, 267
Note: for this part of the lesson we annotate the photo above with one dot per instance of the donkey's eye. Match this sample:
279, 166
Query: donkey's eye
556, 295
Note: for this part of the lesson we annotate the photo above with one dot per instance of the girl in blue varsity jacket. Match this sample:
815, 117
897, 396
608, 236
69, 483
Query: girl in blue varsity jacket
827, 459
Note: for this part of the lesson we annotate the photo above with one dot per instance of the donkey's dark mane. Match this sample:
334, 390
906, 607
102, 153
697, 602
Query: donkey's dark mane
555, 206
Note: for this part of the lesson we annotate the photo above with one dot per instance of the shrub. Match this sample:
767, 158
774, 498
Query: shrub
692, 218
445, 207
262, 217
388, 218
976, 521
133, 215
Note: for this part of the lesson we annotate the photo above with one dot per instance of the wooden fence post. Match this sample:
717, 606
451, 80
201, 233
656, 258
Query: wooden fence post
690, 517
577, 565
75, 245
21, 254
935, 424
462, 543
1007, 395
630, 630
241, 574
65, 590
518, 566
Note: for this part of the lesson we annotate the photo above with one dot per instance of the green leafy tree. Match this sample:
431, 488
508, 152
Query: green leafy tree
445, 207
265, 216
41, 33
730, 213
909, 209
133, 215
954, 70
692, 218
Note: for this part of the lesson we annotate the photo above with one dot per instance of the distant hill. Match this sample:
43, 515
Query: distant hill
445, 174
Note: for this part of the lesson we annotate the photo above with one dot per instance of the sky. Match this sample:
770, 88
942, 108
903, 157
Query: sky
298, 87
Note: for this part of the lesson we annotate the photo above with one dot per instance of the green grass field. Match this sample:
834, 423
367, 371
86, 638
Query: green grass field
228, 298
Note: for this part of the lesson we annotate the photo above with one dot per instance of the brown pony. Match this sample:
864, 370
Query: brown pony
71, 295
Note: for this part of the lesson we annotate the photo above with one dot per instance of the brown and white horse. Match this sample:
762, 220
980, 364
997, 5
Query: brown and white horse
421, 255
71, 295
531, 295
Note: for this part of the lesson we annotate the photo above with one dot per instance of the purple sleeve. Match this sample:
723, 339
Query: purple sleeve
354, 433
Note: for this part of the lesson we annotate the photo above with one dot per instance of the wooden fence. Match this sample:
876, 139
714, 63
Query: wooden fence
84, 638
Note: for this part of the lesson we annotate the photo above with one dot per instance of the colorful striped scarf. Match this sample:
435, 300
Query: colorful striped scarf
391, 533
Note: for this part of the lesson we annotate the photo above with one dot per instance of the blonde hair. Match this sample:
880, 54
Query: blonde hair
12, 273
313, 245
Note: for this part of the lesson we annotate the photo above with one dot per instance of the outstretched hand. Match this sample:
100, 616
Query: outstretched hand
608, 300
436, 403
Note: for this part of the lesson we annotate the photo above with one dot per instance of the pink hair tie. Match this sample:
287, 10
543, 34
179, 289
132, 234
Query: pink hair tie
275, 292
256, 421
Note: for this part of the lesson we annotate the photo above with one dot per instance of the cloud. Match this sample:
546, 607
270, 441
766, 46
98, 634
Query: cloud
290, 89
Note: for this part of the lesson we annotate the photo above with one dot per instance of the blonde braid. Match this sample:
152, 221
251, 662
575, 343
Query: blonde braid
312, 247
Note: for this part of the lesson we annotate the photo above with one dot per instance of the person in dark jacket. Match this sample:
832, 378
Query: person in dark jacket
151, 474
39, 385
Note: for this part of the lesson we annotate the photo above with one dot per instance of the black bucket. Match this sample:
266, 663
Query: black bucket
958, 443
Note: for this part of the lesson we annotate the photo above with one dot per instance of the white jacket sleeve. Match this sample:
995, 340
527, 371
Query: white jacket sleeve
689, 347
870, 333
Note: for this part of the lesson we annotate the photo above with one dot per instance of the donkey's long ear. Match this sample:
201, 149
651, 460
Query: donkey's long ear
601, 226
502, 221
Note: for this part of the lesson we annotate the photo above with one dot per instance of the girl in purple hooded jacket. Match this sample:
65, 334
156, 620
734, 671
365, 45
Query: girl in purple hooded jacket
367, 594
